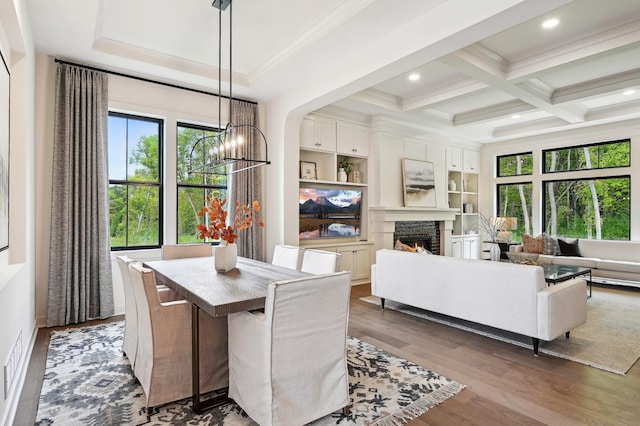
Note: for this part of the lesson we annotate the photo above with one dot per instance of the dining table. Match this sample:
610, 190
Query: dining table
244, 288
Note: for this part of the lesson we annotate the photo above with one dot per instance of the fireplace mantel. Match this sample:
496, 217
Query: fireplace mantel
383, 222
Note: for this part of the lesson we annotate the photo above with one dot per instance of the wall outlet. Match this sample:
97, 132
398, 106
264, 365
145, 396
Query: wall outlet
11, 366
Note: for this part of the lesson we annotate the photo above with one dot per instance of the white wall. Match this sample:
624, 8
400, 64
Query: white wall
594, 134
17, 288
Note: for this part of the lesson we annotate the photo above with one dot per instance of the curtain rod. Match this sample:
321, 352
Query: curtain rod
148, 80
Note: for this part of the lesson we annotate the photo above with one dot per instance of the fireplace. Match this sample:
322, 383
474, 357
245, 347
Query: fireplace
384, 219
425, 234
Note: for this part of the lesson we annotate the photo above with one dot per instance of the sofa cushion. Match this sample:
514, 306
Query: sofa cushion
550, 245
610, 249
569, 247
532, 245
619, 265
585, 262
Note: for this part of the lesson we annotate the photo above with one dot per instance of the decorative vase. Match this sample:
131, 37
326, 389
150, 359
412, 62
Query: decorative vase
356, 175
226, 257
342, 175
494, 252
452, 185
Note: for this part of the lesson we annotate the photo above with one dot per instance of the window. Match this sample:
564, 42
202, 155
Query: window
135, 195
595, 156
193, 188
515, 164
588, 208
514, 200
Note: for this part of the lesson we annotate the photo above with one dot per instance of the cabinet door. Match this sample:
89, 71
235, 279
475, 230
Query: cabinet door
472, 248
326, 132
345, 138
308, 134
361, 140
457, 249
356, 260
471, 161
454, 158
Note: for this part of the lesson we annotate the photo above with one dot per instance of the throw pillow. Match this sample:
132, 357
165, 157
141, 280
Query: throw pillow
569, 247
550, 244
532, 244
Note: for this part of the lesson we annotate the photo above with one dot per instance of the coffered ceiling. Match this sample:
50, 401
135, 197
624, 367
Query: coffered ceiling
496, 77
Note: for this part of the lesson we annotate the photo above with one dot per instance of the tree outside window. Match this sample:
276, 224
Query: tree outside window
194, 188
514, 200
135, 196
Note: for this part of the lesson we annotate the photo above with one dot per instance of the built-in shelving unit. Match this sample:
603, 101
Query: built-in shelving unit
462, 194
325, 142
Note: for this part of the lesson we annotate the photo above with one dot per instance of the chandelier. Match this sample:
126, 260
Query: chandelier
233, 149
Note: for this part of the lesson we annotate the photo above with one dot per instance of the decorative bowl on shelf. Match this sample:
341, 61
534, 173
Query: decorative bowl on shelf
523, 258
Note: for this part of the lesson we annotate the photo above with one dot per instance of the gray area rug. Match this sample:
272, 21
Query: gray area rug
88, 381
608, 340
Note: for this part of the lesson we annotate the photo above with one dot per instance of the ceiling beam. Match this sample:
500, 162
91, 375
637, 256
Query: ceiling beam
492, 112
600, 86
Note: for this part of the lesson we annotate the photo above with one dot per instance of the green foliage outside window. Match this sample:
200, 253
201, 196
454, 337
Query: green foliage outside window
193, 188
514, 200
596, 156
589, 208
134, 181
515, 165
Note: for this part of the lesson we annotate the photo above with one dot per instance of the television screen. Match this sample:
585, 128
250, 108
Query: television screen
329, 212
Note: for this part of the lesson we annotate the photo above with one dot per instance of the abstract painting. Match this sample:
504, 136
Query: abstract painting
419, 183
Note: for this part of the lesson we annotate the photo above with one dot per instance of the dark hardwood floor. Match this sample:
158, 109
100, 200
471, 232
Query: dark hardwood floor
506, 384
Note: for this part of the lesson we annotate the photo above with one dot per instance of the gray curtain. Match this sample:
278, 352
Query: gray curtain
246, 186
80, 285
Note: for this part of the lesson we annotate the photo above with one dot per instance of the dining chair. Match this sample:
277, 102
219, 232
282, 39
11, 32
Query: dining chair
287, 365
130, 340
163, 358
320, 261
181, 251
287, 256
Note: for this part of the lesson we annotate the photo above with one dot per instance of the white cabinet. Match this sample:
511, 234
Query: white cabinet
318, 133
353, 139
471, 161
466, 247
454, 159
356, 259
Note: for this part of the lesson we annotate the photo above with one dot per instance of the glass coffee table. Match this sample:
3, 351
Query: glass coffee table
554, 274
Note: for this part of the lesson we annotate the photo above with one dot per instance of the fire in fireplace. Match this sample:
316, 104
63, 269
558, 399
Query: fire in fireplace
425, 234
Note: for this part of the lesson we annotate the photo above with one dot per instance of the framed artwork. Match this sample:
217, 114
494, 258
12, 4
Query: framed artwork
4, 154
308, 170
418, 180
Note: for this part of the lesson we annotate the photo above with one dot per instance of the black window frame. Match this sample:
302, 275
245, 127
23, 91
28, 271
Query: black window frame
544, 196
545, 151
203, 187
160, 185
498, 157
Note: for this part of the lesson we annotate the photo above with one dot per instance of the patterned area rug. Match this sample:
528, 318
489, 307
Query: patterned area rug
608, 340
88, 381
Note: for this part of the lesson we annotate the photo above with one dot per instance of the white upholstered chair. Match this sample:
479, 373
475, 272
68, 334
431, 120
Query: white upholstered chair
288, 366
130, 341
287, 256
163, 358
320, 261
181, 251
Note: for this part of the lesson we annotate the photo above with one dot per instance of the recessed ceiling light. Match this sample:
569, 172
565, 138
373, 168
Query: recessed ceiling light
414, 77
515, 116
628, 92
550, 23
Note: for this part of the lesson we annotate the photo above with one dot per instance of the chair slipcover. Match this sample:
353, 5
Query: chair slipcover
320, 262
163, 359
130, 341
181, 251
288, 366
287, 256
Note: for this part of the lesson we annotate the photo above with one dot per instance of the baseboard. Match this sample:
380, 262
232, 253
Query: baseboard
13, 399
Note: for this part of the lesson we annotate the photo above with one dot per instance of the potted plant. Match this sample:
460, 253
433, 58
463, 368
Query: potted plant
346, 166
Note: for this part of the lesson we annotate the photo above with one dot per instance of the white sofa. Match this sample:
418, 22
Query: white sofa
611, 262
502, 295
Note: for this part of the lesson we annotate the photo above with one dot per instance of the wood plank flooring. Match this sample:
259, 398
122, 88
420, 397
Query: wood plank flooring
506, 384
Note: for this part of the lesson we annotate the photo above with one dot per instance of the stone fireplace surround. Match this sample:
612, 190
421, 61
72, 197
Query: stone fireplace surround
383, 224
